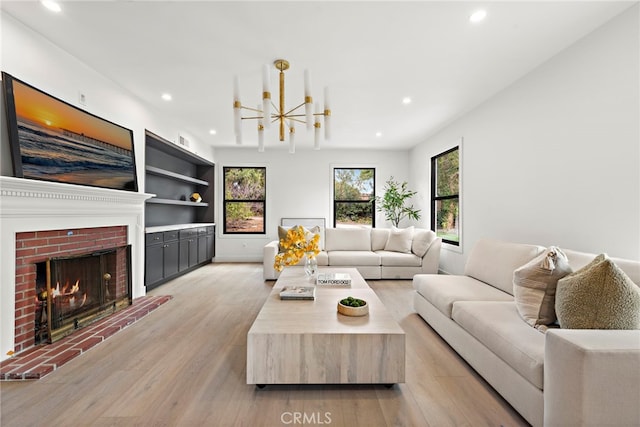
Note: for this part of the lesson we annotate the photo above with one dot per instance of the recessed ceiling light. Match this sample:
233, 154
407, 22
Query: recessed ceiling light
51, 5
166, 96
478, 16
213, 132
406, 100
378, 134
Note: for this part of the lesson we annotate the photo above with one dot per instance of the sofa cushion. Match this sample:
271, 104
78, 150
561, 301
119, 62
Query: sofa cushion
631, 268
353, 258
397, 259
348, 239
399, 240
422, 239
322, 258
379, 238
598, 296
534, 287
499, 327
494, 261
442, 290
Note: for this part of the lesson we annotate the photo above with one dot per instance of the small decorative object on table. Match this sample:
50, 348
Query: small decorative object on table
310, 264
353, 307
298, 293
334, 279
297, 244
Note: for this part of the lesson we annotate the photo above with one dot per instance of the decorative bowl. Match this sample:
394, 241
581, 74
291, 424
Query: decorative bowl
348, 310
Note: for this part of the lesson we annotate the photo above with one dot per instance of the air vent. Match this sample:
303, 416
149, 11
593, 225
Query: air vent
183, 142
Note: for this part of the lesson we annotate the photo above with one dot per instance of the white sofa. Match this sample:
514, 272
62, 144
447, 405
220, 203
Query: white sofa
564, 377
364, 249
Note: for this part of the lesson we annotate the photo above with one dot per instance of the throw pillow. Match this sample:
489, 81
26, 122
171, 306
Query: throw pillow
598, 296
422, 239
534, 287
399, 240
379, 237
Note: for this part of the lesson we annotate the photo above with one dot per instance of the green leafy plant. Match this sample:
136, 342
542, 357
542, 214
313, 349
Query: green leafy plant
353, 302
394, 202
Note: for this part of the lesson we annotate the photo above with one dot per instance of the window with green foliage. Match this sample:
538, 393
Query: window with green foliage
353, 196
244, 200
445, 195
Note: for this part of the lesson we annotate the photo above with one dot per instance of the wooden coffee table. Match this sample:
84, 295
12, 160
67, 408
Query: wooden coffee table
309, 342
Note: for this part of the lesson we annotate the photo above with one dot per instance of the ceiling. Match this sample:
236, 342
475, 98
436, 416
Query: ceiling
370, 54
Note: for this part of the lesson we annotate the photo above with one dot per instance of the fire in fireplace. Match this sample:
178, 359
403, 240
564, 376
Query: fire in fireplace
75, 291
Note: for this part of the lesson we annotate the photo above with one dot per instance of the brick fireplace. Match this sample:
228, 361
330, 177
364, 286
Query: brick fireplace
39, 218
36, 247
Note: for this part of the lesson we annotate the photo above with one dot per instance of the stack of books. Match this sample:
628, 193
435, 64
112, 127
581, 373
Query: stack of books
334, 279
298, 293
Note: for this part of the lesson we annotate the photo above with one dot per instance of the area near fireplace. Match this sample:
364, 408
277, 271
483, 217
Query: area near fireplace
41, 360
55, 210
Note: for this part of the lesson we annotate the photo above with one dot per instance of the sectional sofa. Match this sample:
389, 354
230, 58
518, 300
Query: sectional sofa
377, 253
561, 377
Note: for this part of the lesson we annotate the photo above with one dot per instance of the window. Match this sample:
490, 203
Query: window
244, 200
353, 195
445, 195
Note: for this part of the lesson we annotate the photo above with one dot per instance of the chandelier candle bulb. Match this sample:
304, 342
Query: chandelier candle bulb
266, 97
237, 121
265, 78
292, 138
308, 100
236, 89
327, 115
317, 126
260, 133
237, 106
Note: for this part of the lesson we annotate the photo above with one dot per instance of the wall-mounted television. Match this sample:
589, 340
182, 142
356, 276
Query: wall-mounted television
52, 140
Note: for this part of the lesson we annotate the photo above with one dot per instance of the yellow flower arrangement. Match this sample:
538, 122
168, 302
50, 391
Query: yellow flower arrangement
298, 243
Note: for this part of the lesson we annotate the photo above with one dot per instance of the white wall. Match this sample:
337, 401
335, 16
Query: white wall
298, 186
554, 159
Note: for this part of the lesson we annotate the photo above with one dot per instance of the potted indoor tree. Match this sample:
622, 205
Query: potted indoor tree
394, 202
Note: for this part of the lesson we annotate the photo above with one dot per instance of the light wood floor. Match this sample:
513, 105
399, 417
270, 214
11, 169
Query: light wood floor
184, 365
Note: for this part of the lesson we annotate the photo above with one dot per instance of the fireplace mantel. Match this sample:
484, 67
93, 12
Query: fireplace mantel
16, 194
32, 205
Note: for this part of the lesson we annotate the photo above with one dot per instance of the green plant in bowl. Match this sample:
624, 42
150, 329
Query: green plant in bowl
353, 302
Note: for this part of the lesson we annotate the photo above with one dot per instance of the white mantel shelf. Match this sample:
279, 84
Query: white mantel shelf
12, 189
33, 205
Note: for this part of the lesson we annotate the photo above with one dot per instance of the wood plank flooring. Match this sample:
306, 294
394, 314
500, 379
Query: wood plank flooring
184, 365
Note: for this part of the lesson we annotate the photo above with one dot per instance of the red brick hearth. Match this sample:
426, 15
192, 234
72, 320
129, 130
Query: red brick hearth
39, 361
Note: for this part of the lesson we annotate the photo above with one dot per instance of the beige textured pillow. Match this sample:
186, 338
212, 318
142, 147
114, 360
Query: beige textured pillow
422, 239
534, 287
399, 240
598, 296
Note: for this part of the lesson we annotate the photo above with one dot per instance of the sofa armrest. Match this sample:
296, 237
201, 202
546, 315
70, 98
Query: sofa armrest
269, 253
591, 377
431, 258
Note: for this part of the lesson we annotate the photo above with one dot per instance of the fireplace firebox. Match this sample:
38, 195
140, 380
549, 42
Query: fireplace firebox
75, 291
